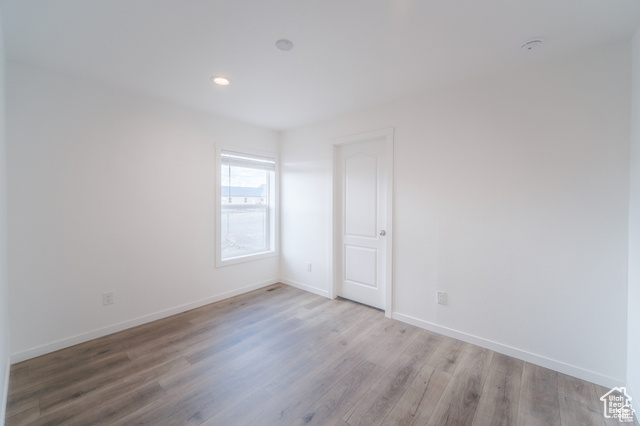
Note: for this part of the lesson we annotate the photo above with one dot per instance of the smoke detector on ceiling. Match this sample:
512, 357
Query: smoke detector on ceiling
284, 44
531, 45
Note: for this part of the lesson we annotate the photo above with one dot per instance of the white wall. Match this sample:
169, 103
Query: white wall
111, 191
633, 320
4, 292
511, 194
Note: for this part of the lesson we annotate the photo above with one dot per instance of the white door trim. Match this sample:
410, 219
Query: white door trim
387, 135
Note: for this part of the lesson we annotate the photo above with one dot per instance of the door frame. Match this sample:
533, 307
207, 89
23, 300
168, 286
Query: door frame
387, 135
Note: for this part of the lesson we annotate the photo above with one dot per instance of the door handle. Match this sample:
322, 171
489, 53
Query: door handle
383, 233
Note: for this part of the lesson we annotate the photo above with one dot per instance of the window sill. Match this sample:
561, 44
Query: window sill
246, 258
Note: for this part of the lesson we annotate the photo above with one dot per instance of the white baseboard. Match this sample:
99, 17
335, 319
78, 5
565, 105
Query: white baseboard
84, 337
591, 376
305, 287
571, 370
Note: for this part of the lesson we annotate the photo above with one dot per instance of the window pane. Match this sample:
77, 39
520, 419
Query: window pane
244, 231
245, 213
243, 180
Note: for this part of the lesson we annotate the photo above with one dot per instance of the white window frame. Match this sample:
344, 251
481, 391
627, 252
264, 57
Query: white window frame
274, 214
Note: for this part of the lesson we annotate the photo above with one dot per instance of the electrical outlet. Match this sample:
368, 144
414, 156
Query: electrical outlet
107, 299
308, 266
442, 297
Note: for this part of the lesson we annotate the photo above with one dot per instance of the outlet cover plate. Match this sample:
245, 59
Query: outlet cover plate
107, 299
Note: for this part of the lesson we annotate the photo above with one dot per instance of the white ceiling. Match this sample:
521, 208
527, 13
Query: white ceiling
348, 54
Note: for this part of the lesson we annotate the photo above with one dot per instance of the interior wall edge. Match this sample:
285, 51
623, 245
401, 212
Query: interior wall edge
5, 389
101, 332
559, 366
633, 289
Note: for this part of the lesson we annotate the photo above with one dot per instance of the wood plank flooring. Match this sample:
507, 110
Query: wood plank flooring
282, 356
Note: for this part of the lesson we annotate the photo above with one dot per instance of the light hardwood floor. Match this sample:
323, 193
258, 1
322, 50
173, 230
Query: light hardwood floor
280, 355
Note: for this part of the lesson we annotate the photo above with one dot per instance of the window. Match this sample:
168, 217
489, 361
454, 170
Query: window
247, 200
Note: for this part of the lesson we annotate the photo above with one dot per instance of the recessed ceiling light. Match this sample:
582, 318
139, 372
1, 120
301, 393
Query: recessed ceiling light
220, 81
531, 45
284, 45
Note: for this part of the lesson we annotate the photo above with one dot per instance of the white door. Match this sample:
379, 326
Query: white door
362, 229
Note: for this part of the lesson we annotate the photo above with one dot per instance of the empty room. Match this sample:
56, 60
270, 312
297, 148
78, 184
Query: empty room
304, 212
